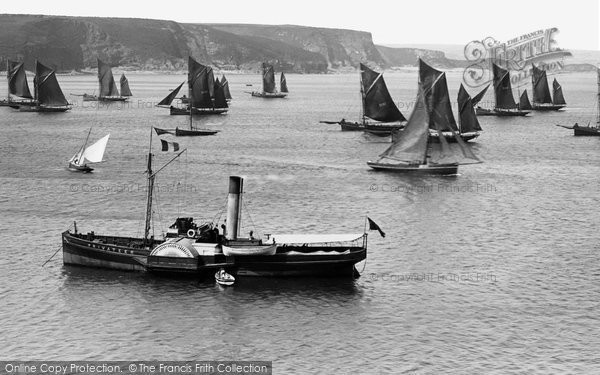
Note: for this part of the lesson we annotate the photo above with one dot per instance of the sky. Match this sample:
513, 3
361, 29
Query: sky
389, 22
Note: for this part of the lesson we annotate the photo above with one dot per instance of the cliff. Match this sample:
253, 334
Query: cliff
74, 43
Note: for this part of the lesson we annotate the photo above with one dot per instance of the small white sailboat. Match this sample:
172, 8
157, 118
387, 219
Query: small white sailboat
223, 278
91, 154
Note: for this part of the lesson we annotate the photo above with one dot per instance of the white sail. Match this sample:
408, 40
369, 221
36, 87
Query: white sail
95, 152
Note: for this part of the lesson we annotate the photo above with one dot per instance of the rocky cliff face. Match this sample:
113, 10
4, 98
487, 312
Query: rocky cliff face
340, 48
71, 43
398, 57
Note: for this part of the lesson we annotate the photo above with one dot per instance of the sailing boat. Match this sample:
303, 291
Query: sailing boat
168, 100
413, 151
48, 97
108, 91
91, 154
559, 99
524, 103
195, 74
269, 90
442, 121
505, 102
477, 98
376, 104
542, 101
589, 130
125, 91
201, 87
17, 86
225, 85
469, 124
283, 83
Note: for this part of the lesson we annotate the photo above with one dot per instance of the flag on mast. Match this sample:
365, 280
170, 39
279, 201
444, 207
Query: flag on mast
167, 145
373, 226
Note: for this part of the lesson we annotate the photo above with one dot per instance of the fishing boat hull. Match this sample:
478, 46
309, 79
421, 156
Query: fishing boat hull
434, 137
500, 112
351, 126
80, 168
484, 112
547, 107
112, 98
15, 103
89, 98
194, 132
509, 112
380, 130
43, 109
586, 131
416, 169
175, 111
268, 95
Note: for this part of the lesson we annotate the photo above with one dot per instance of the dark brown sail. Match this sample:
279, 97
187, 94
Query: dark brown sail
220, 100
125, 91
48, 89
108, 87
411, 144
283, 83
268, 78
437, 98
503, 89
524, 103
377, 102
468, 119
225, 85
169, 98
541, 92
427, 76
201, 83
559, 99
477, 98
17, 80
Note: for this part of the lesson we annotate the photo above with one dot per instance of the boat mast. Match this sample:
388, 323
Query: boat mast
81, 151
8, 80
149, 197
362, 96
99, 81
598, 95
190, 99
35, 85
